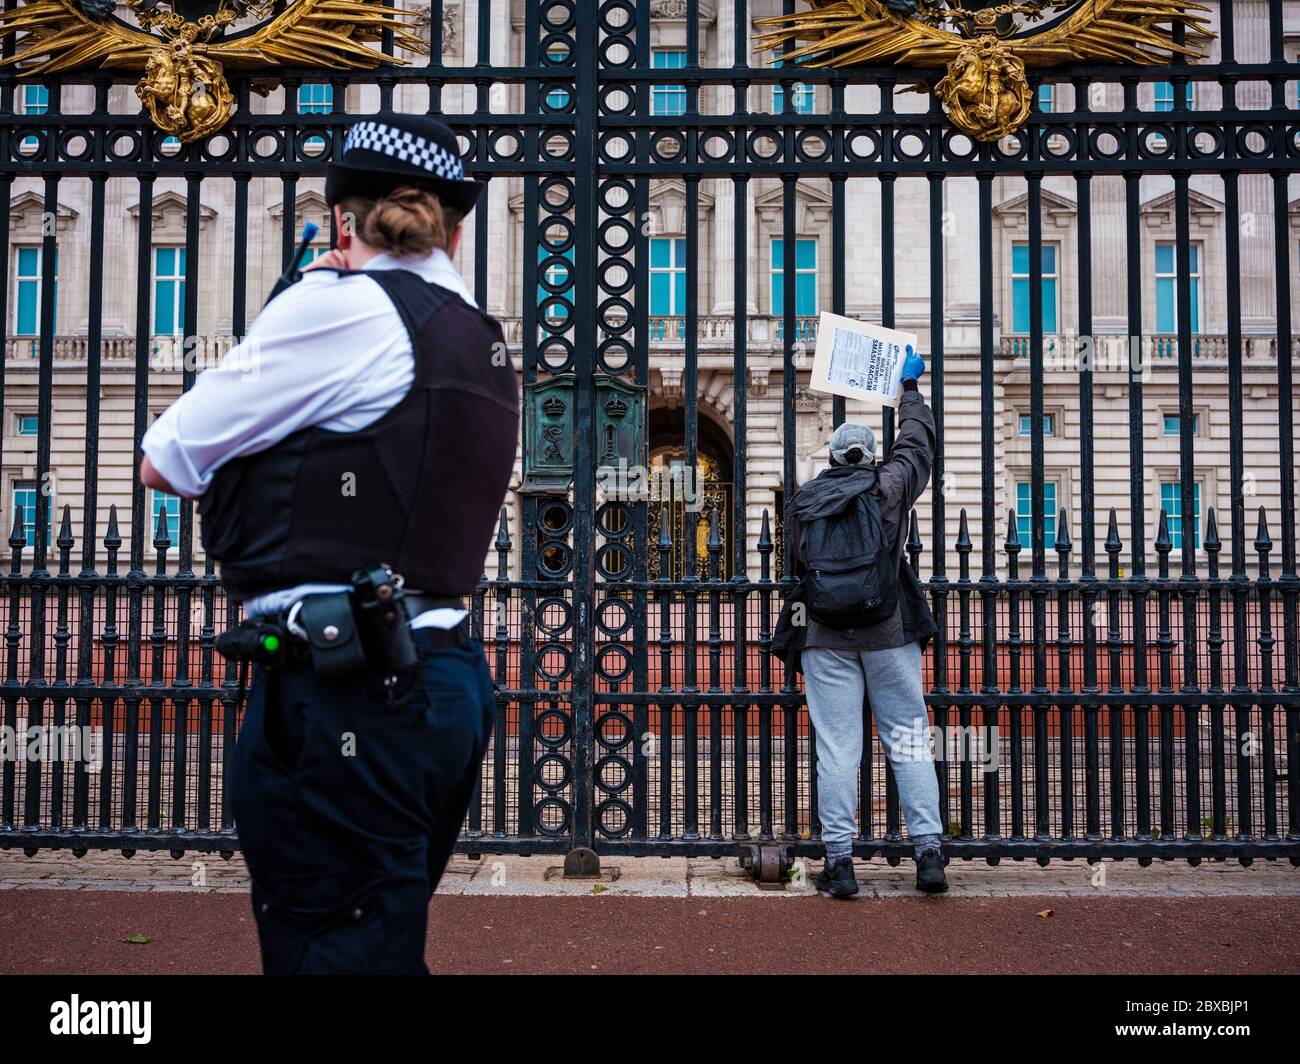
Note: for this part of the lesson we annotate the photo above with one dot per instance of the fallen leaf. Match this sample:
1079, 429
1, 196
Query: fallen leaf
138, 939
1046, 913
599, 888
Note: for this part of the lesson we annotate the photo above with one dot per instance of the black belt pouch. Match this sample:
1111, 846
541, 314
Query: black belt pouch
332, 634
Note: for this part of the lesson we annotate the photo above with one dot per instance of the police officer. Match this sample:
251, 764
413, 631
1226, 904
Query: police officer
350, 457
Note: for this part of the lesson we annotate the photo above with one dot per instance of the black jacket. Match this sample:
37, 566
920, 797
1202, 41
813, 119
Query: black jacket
899, 481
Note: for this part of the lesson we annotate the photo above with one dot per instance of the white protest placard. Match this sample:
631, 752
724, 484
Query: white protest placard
859, 360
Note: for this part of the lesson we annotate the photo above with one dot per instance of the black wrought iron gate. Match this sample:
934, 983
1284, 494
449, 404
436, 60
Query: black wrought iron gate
1125, 712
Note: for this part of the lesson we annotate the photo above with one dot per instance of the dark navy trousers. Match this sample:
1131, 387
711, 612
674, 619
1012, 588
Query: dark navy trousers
348, 807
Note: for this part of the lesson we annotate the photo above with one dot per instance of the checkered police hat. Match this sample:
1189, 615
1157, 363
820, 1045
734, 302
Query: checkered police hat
387, 150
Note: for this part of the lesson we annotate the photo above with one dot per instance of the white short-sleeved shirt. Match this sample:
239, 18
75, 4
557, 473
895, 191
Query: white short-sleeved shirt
329, 351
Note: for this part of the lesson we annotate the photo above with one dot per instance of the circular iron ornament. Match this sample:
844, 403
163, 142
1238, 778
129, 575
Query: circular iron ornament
854, 153
616, 288
719, 136
1060, 142
676, 140
949, 140
263, 135
562, 25
555, 262
564, 654
1095, 149
559, 627
613, 139
603, 811
211, 153
618, 100
901, 137
558, 145
621, 226
614, 561
603, 622
565, 812
615, 742
1265, 134
621, 185
614, 355
554, 560
563, 776
65, 146
561, 737
625, 7
1018, 148
557, 48
1194, 137
552, 364
497, 154
555, 311
1151, 148
609, 60
606, 515
802, 152
752, 152
115, 153
613, 650
616, 323
556, 184
608, 764
304, 150
549, 89
553, 246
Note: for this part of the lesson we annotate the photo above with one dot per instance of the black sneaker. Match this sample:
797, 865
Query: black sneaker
837, 879
929, 873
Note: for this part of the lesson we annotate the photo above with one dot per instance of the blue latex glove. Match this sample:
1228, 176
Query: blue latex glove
913, 365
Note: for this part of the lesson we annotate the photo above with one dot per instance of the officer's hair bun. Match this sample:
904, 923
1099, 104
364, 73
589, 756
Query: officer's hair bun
408, 221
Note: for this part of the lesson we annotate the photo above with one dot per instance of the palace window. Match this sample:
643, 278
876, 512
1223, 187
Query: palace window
668, 100
168, 291
1025, 513
1020, 288
168, 507
27, 290
1167, 287
667, 276
33, 100
802, 99
1026, 426
1170, 425
805, 277
1164, 96
1047, 98
28, 425
24, 495
315, 98
1171, 501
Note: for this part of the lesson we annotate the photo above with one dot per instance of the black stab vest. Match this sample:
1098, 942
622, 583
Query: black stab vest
420, 488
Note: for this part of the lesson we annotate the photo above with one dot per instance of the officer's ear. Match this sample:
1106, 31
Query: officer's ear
454, 242
343, 227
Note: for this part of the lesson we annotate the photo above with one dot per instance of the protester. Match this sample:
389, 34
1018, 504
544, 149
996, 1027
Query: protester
857, 624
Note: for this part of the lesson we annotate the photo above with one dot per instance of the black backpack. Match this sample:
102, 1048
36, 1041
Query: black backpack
852, 577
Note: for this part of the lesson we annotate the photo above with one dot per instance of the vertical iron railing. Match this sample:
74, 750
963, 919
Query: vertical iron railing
1130, 714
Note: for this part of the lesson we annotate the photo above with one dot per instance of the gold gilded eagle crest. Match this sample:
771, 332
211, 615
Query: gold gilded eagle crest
181, 47
986, 44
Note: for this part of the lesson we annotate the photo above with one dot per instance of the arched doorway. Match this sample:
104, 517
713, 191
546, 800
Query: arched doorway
713, 482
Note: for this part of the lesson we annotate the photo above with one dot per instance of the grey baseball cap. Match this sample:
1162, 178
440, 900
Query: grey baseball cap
851, 435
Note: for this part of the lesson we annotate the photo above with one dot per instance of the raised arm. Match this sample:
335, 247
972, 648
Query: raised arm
905, 473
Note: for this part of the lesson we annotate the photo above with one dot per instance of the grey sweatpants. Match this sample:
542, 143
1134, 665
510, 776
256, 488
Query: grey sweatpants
835, 681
